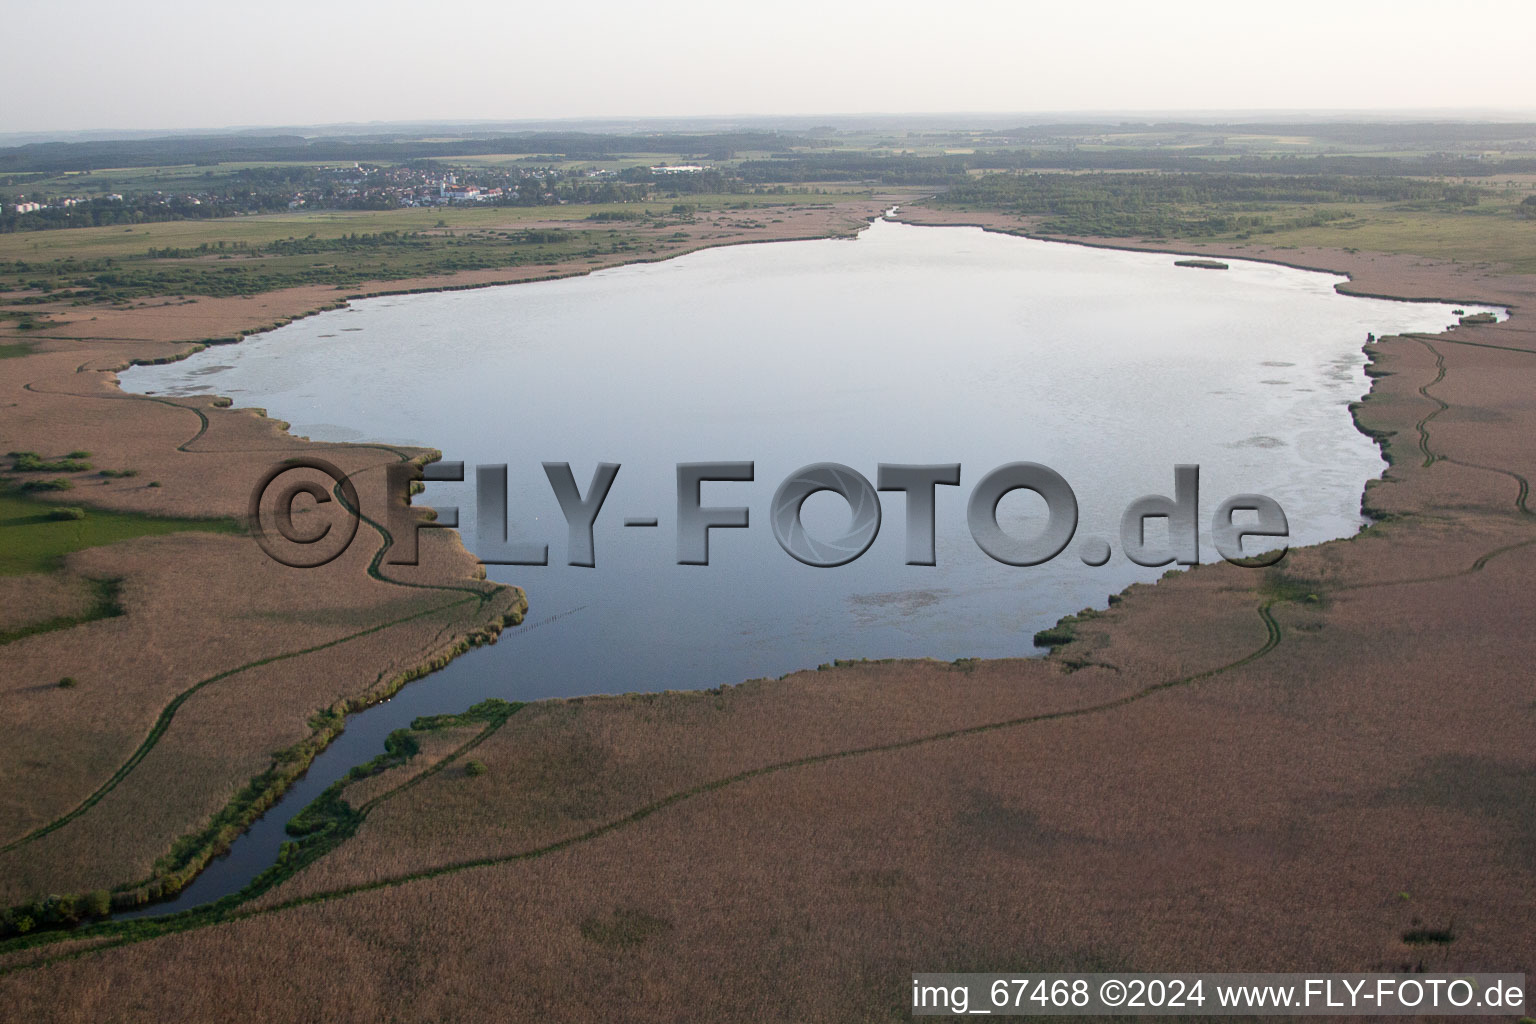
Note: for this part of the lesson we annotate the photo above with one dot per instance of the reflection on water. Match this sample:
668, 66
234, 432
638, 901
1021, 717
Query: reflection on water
921, 345
907, 345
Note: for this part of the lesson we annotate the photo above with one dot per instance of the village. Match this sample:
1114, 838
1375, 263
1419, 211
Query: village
225, 190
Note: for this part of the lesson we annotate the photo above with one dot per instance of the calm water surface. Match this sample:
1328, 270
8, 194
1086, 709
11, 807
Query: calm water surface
906, 345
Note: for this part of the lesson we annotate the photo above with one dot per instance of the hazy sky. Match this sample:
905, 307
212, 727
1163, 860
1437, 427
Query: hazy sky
162, 64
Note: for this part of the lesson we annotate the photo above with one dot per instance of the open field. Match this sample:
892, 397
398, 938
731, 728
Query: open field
90, 243
1490, 237
252, 255
1490, 222
167, 177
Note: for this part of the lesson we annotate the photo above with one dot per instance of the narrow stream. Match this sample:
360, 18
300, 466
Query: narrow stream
445, 691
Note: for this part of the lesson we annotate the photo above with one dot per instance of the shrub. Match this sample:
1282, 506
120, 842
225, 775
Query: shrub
1065, 630
47, 485
68, 682
98, 903
66, 512
1425, 936
79, 454
31, 462
63, 909
119, 472
1055, 636
473, 768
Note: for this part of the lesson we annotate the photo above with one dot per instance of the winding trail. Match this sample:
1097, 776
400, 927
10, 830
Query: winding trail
1430, 457
1423, 425
163, 722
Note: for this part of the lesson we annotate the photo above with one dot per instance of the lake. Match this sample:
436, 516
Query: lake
906, 345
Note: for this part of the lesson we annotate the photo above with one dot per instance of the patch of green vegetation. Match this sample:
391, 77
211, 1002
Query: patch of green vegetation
14, 349
59, 911
1278, 584
473, 768
1065, 630
1194, 205
624, 927
33, 540
250, 255
329, 810
219, 265
31, 462
1482, 234
484, 713
104, 605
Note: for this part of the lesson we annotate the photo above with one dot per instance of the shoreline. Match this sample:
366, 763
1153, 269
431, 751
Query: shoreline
286, 765
893, 215
1372, 357
1173, 248
346, 301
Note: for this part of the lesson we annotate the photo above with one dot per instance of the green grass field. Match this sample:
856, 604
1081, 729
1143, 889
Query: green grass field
87, 243
165, 178
254, 254
1475, 221
32, 541
1490, 234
